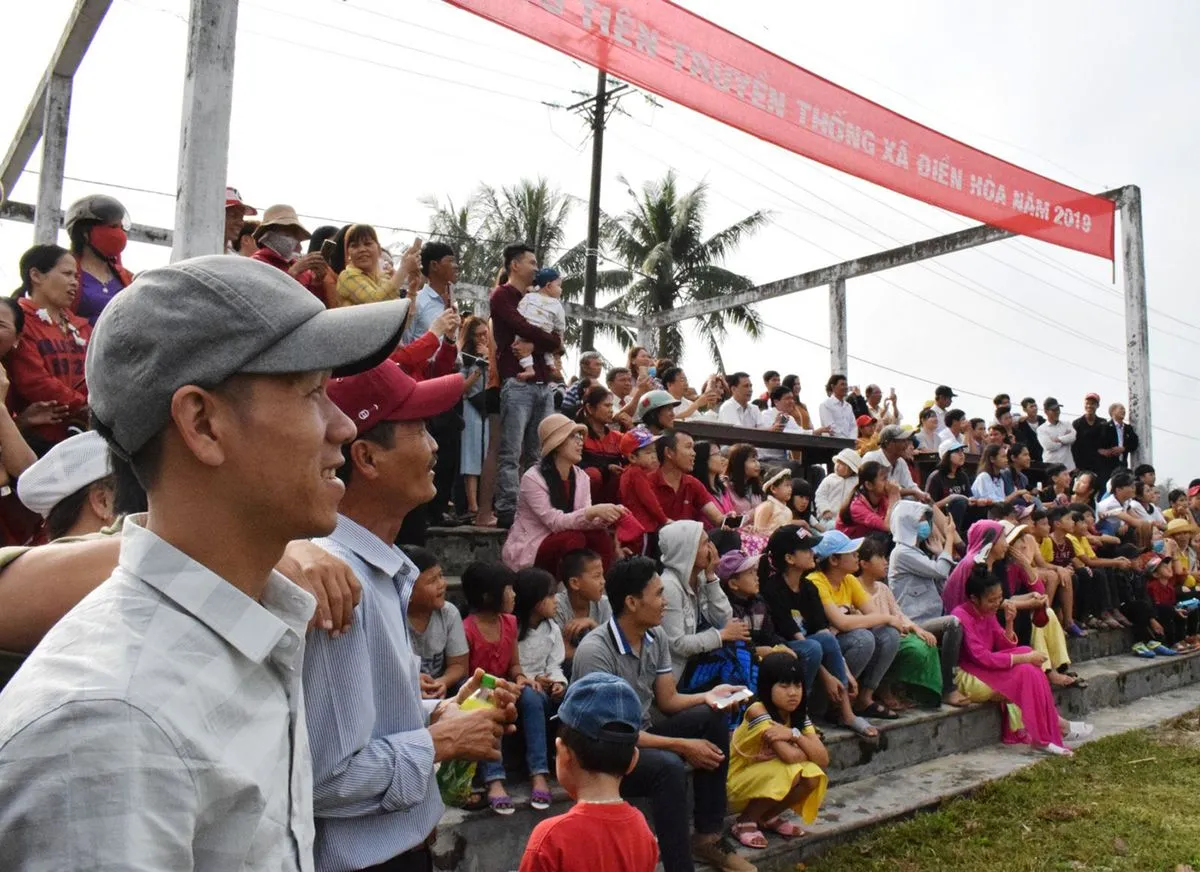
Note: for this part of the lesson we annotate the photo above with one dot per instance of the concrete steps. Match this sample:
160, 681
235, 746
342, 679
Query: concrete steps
458, 547
925, 748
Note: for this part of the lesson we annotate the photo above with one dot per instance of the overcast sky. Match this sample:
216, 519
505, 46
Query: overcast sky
355, 109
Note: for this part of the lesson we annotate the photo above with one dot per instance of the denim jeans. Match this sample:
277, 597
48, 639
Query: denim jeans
810, 654
831, 655
523, 405
869, 653
533, 708
662, 777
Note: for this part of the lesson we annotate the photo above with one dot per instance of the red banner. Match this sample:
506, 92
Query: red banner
666, 49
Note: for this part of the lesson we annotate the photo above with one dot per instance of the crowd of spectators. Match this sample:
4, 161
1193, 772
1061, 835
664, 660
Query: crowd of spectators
940, 564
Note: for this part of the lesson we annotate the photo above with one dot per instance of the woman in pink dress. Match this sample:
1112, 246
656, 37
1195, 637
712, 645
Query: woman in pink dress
1012, 672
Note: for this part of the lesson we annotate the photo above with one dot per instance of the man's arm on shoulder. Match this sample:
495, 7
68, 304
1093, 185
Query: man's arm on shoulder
96, 782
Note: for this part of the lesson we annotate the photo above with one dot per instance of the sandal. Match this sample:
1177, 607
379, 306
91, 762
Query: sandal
784, 828
749, 835
540, 799
501, 805
477, 801
862, 728
879, 711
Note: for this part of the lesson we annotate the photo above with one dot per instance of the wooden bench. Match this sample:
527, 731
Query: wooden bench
814, 449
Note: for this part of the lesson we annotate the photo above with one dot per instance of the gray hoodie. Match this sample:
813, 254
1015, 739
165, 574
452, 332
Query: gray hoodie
679, 541
915, 578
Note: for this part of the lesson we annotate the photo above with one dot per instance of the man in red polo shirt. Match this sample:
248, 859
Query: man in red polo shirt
682, 496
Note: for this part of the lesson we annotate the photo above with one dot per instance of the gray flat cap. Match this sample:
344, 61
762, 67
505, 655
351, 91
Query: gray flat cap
201, 321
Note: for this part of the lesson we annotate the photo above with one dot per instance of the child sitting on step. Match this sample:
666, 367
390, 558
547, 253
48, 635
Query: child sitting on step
776, 758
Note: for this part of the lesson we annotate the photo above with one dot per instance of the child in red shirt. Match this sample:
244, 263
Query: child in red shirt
637, 494
597, 746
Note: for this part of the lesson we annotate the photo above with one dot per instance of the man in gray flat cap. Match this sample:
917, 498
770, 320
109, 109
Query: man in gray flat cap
160, 723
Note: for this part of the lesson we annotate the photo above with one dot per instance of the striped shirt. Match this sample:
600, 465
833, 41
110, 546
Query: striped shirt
160, 725
374, 793
605, 649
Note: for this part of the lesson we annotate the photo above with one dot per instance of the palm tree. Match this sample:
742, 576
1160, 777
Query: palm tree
462, 228
669, 263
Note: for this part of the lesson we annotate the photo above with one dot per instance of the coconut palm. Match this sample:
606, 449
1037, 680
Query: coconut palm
462, 228
669, 263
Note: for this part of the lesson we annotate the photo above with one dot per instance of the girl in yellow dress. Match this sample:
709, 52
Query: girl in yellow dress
776, 757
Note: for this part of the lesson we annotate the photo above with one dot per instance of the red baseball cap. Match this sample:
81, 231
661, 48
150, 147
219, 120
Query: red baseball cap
1095, 397
234, 198
388, 393
864, 420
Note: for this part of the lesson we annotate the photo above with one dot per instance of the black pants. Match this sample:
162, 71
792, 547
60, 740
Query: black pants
417, 860
1175, 628
1139, 613
661, 776
446, 429
1095, 592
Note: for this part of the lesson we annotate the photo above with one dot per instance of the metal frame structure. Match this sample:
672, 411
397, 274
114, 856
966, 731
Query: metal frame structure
199, 213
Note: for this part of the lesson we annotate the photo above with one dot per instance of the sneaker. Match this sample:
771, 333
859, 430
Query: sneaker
1158, 649
1141, 650
1078, 730
720, 854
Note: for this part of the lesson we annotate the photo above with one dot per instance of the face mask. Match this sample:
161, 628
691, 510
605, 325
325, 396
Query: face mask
1159, 546
652, 371
282, 244
924, 529
108, 241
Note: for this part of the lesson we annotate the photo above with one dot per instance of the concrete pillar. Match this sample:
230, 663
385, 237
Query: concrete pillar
645, 335
204, 132
1137, 328
839, 353
48, 215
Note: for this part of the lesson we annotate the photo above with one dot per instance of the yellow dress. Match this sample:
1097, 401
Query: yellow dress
752, 777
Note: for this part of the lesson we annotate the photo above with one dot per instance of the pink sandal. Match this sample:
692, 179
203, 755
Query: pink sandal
784, 828
749, 835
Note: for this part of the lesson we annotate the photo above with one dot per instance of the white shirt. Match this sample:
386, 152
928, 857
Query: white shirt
898, 472
831, 495
839, 415
542, 651
1056, 440
160, 725
738, 415
988, 488
789, 426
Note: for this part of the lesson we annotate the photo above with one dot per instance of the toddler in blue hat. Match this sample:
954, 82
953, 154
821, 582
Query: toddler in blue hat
542, 307
599, 723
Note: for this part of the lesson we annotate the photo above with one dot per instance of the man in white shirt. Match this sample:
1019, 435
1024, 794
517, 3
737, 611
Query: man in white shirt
956, 427
835, 413
893, 443
1113, 514
1056, 436
884, 411
780, 416
738, 411
175, 736
942, 398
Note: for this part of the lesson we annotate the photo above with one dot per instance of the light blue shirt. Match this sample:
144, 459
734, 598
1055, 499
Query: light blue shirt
429, 306
374, 793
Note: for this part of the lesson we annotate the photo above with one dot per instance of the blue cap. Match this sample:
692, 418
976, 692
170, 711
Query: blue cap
545, 276
602, 707
836, 542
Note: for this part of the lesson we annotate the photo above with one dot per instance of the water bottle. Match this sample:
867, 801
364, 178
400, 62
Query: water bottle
1190, 604
454, 776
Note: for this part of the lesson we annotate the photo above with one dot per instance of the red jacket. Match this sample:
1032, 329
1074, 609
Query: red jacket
308, 278
637, 495
427, 357
47, 364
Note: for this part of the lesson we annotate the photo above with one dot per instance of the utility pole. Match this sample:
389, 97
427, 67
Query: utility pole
587, 336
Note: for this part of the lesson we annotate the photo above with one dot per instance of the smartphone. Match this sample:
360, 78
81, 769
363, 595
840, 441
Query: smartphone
734, 698
328, 250
733, 522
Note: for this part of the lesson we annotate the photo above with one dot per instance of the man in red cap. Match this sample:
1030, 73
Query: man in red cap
1089, 437
235, 218
374, 740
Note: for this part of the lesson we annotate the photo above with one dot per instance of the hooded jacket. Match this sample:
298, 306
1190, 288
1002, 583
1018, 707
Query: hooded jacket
916, 578
980, 537
679, 541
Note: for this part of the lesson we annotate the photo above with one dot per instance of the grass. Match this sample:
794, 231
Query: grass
1128, 803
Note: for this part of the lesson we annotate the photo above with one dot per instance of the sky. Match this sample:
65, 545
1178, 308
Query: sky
357, 109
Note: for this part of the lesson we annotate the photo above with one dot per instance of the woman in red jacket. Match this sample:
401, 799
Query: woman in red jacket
47, 363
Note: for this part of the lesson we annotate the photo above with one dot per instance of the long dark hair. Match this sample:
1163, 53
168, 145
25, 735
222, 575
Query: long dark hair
782, 669
466, 336
801, 488
774, 554
987, 460
738, 483
944, 464
867, 473
531, 587
715, 486
42, 258
560, 496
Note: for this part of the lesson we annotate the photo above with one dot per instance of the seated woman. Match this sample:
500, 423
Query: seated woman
869, 509
985, 543
656, 412
363, 280
868, 638
990, 487
602, 460
97, 225
744, 474
1034, 622
919, 564
948, 485
927, 434
709, 467
48, 364
1007, 671
697, 618
554, 513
